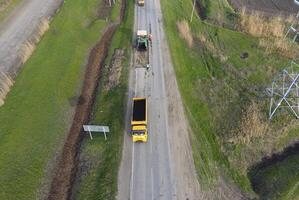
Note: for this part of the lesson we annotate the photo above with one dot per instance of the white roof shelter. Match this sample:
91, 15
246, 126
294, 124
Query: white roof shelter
142, 33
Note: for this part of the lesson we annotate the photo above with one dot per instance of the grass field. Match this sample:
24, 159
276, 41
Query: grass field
100, 159
38, 111
224, 94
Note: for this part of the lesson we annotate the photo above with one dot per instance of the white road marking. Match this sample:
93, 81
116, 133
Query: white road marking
135, 91
152, 180
132, 173
133, 149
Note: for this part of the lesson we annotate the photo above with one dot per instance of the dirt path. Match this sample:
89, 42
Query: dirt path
269, 7
19, 33
187, 185
18, 27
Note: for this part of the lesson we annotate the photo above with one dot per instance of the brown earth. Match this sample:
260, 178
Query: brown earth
268, 7
141, 58
115, 69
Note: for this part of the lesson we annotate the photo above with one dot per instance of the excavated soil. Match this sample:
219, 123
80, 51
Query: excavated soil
268, 7
115, 69
65, 172
67, 166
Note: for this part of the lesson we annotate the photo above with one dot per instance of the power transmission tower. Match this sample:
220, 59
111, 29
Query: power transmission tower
293, 30
284, 91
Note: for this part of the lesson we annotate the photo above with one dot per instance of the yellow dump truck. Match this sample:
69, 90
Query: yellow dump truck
140, 2
139, 120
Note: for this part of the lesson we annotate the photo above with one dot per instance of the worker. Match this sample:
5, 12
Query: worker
150, 38
148, 67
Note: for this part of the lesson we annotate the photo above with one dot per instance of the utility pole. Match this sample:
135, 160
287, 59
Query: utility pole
192, 13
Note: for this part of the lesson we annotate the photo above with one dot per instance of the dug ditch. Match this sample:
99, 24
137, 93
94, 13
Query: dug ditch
65, 172
66, 169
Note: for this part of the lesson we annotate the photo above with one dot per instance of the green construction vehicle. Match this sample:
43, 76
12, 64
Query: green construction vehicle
142, 40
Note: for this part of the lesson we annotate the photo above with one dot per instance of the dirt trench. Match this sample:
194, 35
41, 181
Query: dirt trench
65, 172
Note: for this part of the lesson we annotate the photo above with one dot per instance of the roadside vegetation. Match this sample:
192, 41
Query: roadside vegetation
6, 6
270, 31
278, 180
100, 159
223, 72
38, 111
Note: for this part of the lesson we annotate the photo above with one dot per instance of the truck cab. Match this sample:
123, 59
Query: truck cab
139, 133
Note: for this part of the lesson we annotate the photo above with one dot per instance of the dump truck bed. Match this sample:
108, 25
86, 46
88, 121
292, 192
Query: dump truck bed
139, 110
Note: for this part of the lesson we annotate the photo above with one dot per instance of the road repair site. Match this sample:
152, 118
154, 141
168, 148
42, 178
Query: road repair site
149, 99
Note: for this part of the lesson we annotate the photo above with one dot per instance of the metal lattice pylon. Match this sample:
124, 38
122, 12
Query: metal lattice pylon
284, 92
293, 29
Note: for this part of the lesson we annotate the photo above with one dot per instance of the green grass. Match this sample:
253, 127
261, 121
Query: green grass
115, 11
37, 113
221, 11
217, 86
99, 179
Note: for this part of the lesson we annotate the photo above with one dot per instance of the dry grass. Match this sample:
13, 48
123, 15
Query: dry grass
271, 31
282, 46
257, 25
4, 4
185, 32
29, 46
261, 145
256, 137
251, 126
211, 47
24, 54
5, 83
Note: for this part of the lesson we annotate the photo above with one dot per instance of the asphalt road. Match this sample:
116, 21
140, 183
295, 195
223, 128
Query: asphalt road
163, 168
20, 25
151, 176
